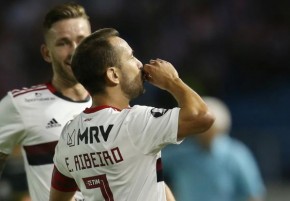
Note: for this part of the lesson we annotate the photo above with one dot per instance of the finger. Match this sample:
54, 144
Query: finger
147, 66
160, 60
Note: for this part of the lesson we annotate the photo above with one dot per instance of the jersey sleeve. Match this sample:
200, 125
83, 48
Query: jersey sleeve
62, 183
152, 128
11, 125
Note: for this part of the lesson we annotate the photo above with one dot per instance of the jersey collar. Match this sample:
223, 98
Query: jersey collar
98, 108
53, 90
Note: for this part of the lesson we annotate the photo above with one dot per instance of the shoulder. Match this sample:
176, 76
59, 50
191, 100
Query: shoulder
153, 111
26, 96
135, 112
15, 96
239, 151
237, 145
138, 108
28, 90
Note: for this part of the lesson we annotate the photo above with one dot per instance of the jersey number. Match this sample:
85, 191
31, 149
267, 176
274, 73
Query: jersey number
101, 182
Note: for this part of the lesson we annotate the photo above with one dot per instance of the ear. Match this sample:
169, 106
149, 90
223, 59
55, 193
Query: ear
113, 75
45, 53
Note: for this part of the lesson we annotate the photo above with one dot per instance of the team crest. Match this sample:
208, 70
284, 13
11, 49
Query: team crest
158, 112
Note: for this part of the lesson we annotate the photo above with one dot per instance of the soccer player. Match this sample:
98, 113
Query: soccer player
33, 117
112, 151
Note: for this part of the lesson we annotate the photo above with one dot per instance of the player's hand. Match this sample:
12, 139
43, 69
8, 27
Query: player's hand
160, 73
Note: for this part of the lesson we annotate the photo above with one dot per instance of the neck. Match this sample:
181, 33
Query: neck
74, 91
111, 99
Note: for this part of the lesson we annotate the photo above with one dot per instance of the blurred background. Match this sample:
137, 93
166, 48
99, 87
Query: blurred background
237, 50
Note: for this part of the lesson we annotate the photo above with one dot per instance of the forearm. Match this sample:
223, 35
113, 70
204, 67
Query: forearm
194, 116
56, 195
186, 97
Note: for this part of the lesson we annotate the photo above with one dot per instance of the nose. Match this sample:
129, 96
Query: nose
74, 45
72, 48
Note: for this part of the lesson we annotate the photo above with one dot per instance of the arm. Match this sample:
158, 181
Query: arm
11, 129
194, 116
56, 195
62, 188
169, 194
3, 159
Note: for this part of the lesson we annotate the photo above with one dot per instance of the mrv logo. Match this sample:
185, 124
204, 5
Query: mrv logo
90, 135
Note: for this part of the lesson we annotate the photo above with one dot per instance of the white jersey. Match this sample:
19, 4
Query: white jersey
33, 118
115, 155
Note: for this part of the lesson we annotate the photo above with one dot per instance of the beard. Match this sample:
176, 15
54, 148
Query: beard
132, 88
64, 72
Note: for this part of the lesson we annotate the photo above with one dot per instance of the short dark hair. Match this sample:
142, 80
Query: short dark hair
92, 57
61, 12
